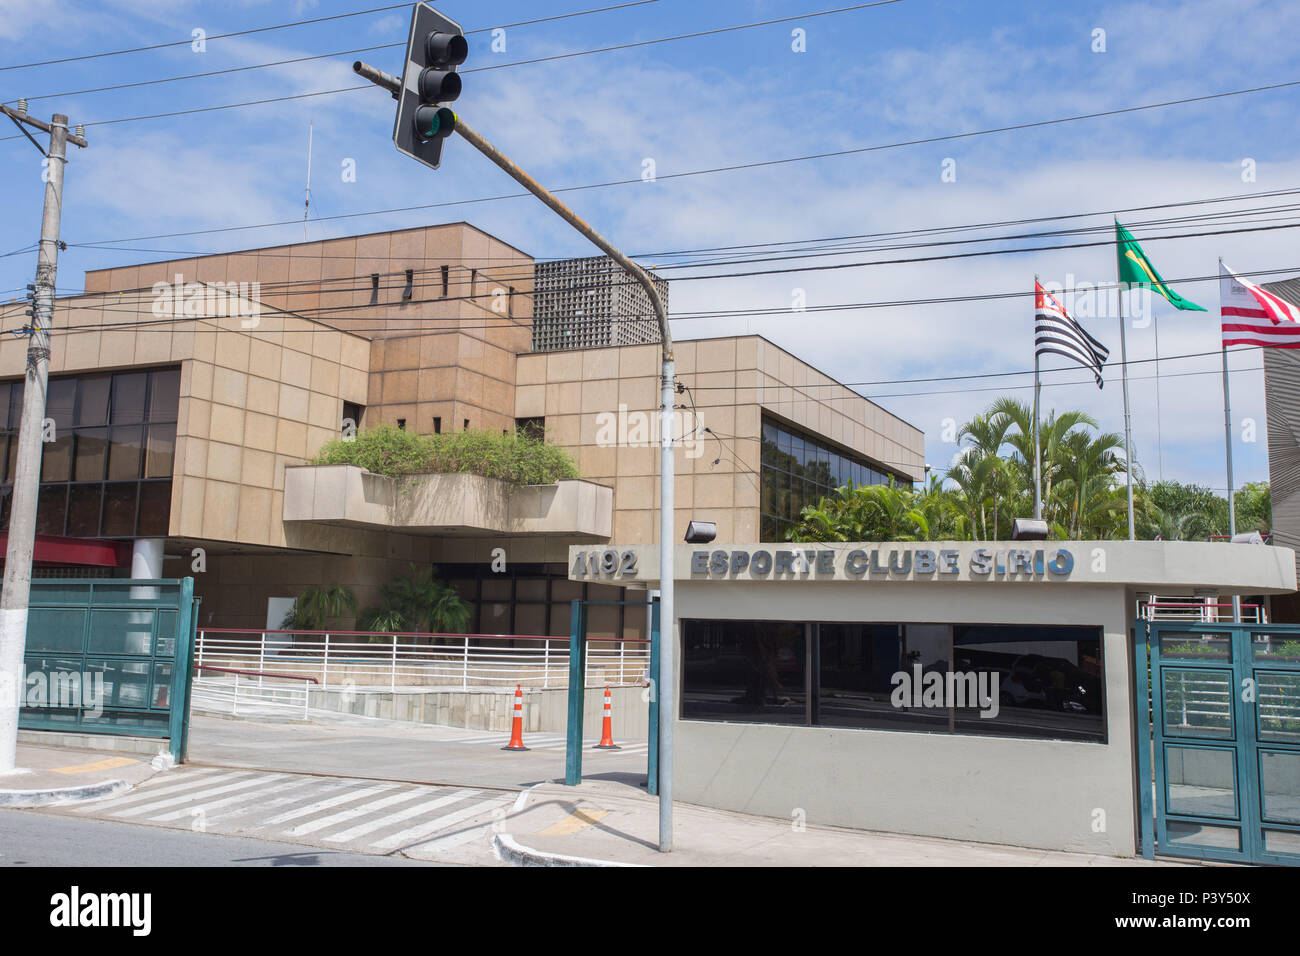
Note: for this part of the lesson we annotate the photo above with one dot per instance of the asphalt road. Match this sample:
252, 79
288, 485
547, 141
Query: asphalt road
385, 750
33, 838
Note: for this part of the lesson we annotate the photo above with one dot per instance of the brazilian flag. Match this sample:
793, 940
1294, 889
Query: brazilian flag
1135, 269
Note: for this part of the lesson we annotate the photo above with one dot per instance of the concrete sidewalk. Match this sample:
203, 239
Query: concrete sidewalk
51, 775
615, 822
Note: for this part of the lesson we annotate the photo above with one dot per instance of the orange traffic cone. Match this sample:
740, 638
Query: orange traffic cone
607, 728
517, 725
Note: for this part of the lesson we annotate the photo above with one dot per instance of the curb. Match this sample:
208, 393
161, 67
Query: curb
44, 798
512, 852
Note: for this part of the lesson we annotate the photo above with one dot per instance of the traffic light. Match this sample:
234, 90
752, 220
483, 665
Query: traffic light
429, 80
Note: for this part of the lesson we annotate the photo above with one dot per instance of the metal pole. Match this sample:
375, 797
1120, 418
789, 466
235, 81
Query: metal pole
22, 519
1232, 505
1038, 454
1128, 428
666, 534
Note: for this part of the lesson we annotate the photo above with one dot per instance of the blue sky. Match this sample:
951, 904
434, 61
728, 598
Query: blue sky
910, 70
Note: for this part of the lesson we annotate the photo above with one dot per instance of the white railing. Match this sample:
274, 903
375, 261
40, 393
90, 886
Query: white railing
361, 660
1200, 612
249, 693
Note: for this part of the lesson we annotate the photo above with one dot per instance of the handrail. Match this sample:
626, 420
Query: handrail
231, 670
481, 637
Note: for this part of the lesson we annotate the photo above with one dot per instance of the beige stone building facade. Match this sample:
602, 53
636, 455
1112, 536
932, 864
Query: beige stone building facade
245, 364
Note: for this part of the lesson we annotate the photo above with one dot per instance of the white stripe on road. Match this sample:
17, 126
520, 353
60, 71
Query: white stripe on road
344, 815
415, 811
433, 826
173, 801
186, 781
279, 782
326, 804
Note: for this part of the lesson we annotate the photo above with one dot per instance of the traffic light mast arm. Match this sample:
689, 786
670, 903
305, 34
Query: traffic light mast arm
394, 86
574, 220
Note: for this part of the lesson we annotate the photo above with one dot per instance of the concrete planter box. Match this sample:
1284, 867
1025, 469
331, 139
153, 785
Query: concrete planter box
350, 496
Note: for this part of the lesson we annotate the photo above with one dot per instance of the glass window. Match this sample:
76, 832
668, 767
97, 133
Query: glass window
752, 671
83, 510
1049, 680
16, 405
4, 406
51, 509
92, 404
128, 397
160, 450
91, 454
124, 453
60, 401
155, 508
56, 457
164, 395
119, 509
858, 663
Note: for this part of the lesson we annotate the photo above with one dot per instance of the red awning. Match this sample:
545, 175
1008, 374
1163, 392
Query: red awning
96, 552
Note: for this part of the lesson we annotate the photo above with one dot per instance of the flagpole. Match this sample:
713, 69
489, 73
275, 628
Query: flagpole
1128, 428
1160, 446
1227, 442
1038, 457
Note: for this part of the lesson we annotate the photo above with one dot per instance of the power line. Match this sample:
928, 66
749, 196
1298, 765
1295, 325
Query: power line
576, 53
110, 244
720, 169
217, 36
323, 56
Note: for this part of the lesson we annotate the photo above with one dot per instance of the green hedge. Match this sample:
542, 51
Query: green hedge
393, 451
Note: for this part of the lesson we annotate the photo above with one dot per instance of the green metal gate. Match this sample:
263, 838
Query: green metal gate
1225, 742
110, 656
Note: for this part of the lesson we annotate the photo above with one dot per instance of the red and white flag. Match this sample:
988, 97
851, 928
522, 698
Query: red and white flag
1254, 316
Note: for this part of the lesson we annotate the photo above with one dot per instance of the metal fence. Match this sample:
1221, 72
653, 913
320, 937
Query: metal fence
1201, 612
363, 660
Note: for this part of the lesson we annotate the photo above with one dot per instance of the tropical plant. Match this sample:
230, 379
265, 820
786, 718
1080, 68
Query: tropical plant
990, 483
317, 605
419, 602
516, 457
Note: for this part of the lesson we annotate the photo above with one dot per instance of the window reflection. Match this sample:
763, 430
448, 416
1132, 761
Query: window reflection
110, 427
797, 470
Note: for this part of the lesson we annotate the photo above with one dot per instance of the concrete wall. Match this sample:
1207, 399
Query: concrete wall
733, 381
1038, 793
545, 711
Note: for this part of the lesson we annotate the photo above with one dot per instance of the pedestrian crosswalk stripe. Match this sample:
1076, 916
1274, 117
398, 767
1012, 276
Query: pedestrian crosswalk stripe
440, 823
344, 815
173, 801
186, 781
261, 809
410, 812
319, 805
277, 784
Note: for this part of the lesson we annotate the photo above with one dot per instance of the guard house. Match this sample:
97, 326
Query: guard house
985, 691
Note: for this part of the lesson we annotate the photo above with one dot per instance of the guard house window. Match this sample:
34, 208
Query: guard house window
1048, 678
109, 471
751, 671
798, 468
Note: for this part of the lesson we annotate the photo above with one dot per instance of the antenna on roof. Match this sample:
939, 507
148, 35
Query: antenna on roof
306, 206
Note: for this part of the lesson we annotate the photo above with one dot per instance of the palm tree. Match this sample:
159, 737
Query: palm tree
317, 605
419, 602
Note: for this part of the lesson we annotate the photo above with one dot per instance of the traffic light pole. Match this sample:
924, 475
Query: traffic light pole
665, 680
27, 472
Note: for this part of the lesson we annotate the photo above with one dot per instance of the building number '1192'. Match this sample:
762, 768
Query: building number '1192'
605, 562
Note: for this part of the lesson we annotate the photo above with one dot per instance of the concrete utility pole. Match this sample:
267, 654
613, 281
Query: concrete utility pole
22, 515
666, 678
